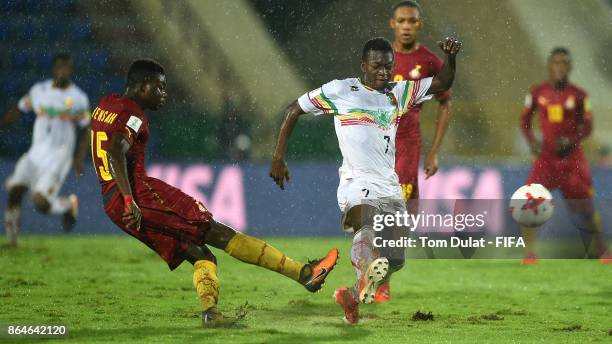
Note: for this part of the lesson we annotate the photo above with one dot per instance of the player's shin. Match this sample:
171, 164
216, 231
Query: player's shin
529, 236
255, 251
595, 228
363, 251
12, 218
206, 283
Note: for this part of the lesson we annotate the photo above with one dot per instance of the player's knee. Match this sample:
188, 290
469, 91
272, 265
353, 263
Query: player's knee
211, 257
41, 203
194, 253
219, 235
360, 216
365, 233
579, 203
15, 194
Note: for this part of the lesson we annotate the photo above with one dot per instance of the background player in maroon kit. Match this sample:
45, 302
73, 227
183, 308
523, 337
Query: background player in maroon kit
565, 120
170, 222
414, 61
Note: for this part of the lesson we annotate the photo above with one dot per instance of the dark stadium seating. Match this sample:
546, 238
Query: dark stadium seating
41, 29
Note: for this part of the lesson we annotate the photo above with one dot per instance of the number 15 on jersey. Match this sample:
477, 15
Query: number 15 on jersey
99, 156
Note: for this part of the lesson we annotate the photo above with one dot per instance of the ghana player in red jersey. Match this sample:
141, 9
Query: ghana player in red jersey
414, 61
565, 118
162, 217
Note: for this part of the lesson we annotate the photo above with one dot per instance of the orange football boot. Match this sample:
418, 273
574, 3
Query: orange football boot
606, 257
383, 292
320, 269
374, 277
530, 259
349, 305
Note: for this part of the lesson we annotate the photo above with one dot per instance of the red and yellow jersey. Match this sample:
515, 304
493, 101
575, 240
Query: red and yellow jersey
116, 114
421, 63
561, 111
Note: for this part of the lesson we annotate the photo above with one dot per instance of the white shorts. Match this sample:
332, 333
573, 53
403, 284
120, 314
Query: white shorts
45, 175
388, 198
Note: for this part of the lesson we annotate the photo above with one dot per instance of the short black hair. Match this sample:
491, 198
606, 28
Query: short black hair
143, 69
376, 44
559, 50
407, 3
65, 57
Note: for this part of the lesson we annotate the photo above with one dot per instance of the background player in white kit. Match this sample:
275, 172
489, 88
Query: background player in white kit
60, 107
366, 114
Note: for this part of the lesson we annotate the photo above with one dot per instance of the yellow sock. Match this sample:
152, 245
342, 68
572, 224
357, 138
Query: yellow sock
254, 251
206, 283
596, 229
529, 235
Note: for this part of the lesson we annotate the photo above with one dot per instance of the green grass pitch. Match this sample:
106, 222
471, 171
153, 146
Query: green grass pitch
111, 289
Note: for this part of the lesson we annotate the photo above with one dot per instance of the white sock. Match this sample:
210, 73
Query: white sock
59, 205
11, 224
363, 251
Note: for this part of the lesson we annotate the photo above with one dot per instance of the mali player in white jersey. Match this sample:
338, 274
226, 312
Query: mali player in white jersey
60, 107
366, 114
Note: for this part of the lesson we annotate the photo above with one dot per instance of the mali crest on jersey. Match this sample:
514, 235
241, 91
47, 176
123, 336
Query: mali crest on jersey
353, 103
381, 118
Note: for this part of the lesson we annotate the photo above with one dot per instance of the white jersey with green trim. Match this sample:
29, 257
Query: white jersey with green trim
366, 122
58, 111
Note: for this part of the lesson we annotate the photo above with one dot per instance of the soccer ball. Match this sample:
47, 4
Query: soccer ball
532, 205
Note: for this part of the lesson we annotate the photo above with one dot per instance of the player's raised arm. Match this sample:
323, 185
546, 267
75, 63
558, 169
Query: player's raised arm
24, 105
10, 117
317, 102
83, 127
444, 79
279, 170
81, 151
120, 144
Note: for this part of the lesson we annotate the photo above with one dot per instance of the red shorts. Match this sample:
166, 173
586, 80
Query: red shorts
572, 176
407, 157
171, 220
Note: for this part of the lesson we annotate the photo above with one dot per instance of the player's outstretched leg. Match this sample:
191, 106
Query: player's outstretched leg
349, 304
12, 214
363, 253
529, 235
372, 270
375, 266
257, 252
396, 257
67, 207
69, 217
595, 229
588, 220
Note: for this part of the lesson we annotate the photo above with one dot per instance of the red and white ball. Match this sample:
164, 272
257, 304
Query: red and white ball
532, 205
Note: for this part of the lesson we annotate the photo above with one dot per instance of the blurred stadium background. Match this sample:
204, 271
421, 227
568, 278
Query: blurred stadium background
234, 65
